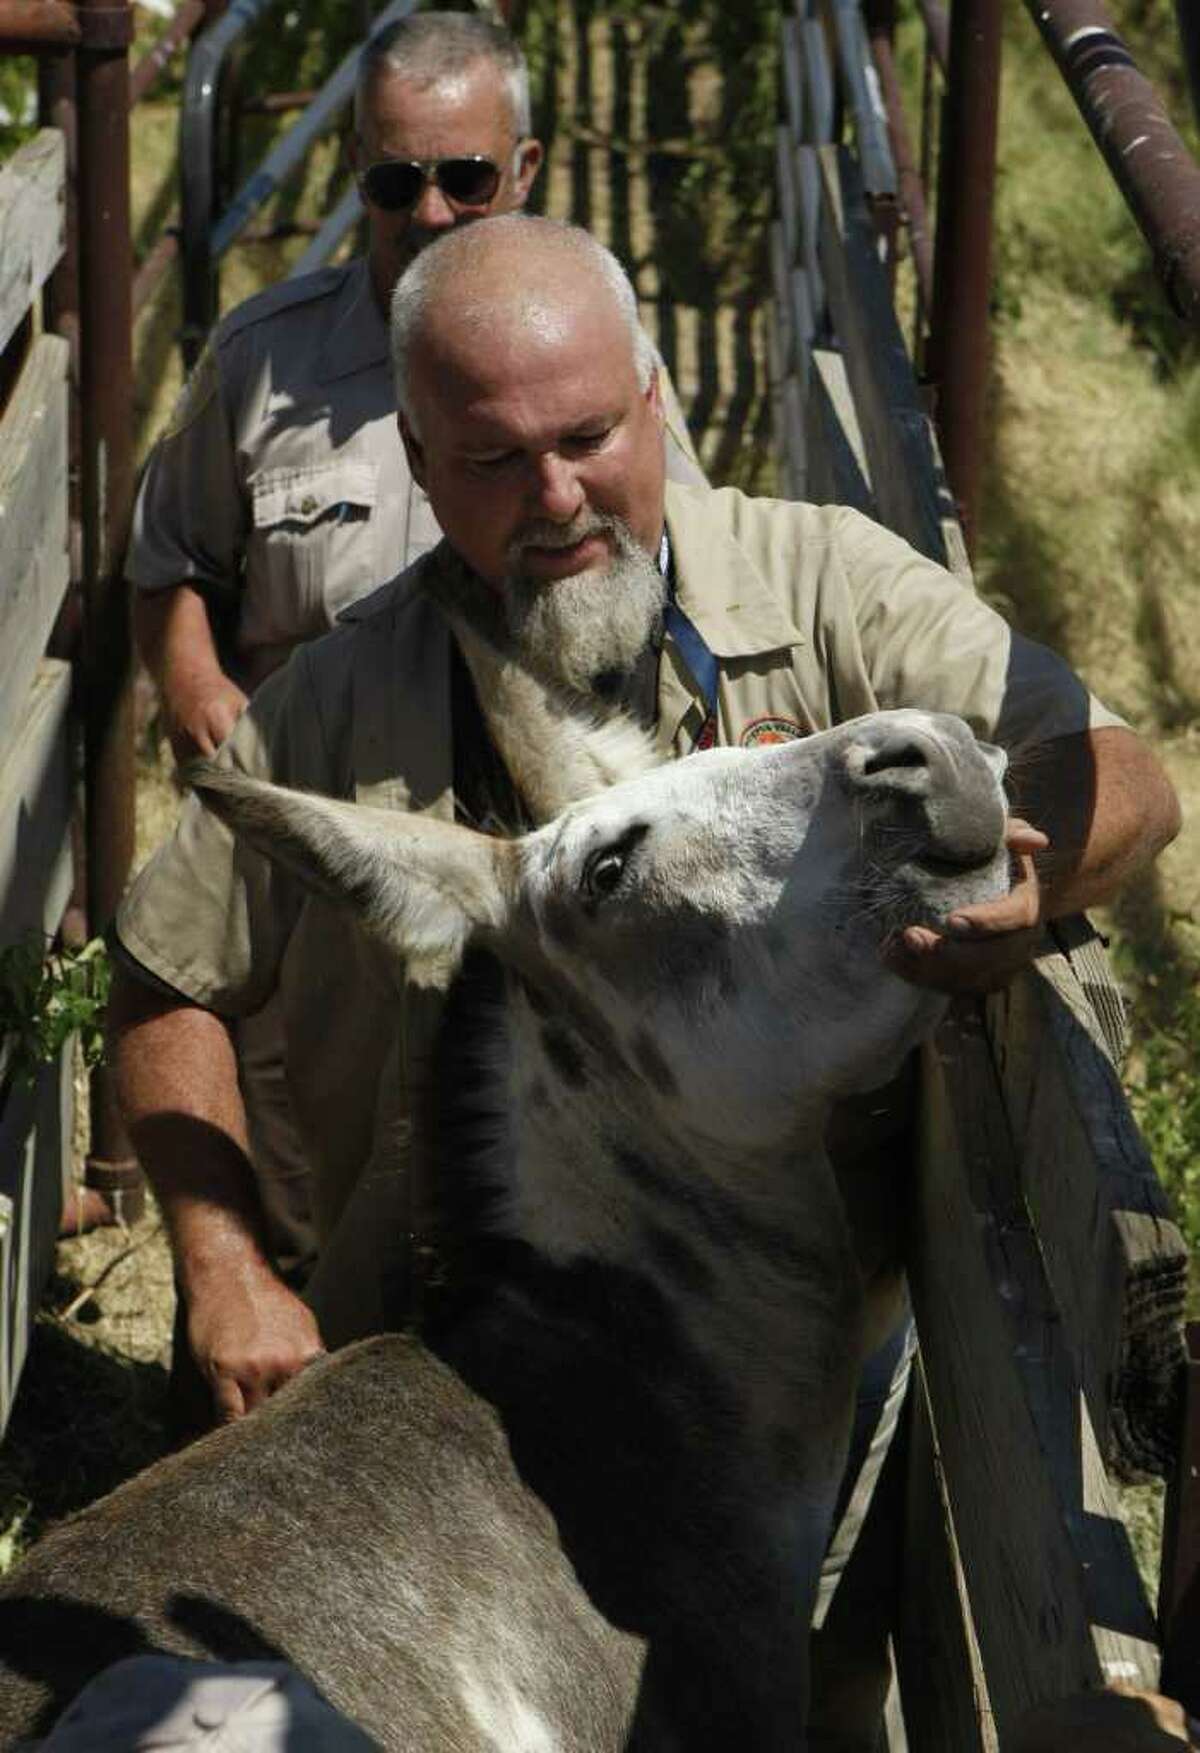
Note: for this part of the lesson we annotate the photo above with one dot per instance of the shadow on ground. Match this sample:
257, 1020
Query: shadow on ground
85, 1419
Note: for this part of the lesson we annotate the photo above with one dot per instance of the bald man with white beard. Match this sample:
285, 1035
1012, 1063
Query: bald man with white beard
712, 617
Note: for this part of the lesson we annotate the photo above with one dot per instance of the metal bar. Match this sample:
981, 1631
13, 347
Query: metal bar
1189, 41
958, 339
1148, 161
197, 122
275, 103
287, 154
334, 227
937, 30
154, 62
38, 23
908, 177
1179, 1578
151, 271
106, 383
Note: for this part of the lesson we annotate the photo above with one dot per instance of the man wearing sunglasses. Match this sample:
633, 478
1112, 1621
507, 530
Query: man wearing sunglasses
280, 492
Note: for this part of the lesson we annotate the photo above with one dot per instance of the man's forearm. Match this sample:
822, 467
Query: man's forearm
173, 633
1108, 809
177, 1083
175, 638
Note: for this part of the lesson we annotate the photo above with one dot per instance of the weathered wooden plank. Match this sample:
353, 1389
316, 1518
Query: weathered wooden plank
35, 809
942, 1686
1179, 1583
34, 560
787, 194
865, 100
819, 94
894, 426
837, 465
36, 1127
32, 209
1115, 1259
793, 78
781, 297
795, 445
1053, 1587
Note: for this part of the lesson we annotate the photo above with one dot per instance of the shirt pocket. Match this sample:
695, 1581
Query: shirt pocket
311, 549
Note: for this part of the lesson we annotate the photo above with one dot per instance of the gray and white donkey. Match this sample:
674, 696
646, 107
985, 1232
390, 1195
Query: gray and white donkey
650, 1364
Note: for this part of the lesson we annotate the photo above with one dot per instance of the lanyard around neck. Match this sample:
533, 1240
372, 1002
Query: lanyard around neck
690, 643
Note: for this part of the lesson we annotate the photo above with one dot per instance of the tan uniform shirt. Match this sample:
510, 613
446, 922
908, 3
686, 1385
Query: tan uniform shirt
281, 484
815, 615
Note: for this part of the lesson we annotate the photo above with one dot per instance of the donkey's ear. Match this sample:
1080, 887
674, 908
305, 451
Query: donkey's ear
419, 886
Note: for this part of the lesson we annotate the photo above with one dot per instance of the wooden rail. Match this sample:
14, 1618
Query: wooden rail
1047, 1277
36, 750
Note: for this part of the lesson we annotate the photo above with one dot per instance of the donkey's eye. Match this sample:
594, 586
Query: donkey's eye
602, 874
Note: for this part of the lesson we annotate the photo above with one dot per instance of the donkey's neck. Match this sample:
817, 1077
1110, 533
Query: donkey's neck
665, 1335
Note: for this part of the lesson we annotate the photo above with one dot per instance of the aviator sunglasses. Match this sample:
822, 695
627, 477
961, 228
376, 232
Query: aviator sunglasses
398, 183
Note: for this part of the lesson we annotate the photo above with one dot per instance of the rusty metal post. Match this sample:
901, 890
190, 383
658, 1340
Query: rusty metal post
1179, 1579
1189, 41
881, 32
27, 25
957, 357
1148, 161
106, 414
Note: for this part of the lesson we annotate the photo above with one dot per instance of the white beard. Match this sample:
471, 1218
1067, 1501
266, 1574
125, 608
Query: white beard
593, 624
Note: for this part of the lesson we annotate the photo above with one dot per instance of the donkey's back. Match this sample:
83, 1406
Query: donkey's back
366, 1525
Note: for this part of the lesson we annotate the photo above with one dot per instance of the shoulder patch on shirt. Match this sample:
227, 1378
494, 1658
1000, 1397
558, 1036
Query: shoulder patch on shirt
760, 732
196, 393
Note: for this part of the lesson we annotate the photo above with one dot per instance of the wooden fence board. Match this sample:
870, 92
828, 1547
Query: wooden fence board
793, 78
35, 810
837, 462
1053, 1586
877, 364
861, 82
1115, 1259
35, 1156
34, 559
32, 224
820, 97
942, 1687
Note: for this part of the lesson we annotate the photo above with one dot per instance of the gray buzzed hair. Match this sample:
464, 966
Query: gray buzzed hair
448, 262
429, 47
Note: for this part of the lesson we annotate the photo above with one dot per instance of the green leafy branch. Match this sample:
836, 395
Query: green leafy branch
46, 996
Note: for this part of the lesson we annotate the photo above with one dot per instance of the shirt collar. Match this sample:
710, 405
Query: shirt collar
727, 599
357, 337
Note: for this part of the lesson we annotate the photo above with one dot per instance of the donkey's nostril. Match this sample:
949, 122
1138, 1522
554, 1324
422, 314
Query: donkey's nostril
900, 753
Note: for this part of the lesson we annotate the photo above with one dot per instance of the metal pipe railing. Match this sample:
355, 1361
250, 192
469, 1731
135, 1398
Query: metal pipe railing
197, 195
106, 419
1188, 15
909, 186
1149, 163
289, 153
36, 24
153, 63
957, 356
336, 224
937, 32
